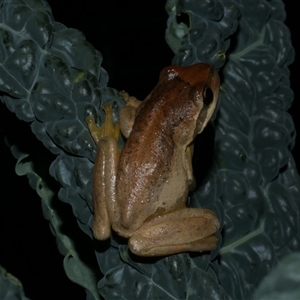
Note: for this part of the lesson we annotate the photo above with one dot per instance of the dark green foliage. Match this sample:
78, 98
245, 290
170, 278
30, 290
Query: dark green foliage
283, 282
248, 175
259, 184
10, 287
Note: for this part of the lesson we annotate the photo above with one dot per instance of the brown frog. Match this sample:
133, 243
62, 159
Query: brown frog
141, 190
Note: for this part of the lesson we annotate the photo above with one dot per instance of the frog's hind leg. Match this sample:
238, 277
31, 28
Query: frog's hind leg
188, 229
105, 170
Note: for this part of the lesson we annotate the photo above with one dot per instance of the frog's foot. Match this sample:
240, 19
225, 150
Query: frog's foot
108, 128
189, 229
130, 100
128, 112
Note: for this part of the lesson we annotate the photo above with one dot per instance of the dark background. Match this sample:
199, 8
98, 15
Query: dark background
130, 36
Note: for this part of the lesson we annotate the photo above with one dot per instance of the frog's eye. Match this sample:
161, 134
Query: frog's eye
208, 96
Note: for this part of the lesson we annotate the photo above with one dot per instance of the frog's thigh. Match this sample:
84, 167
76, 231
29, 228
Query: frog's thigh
104, 184
188, 229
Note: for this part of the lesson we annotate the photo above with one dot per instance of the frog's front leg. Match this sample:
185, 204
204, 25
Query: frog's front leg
189, 168
128, 112
105, 173
186, 229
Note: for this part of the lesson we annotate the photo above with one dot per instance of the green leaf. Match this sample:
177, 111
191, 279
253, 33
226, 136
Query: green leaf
208, 36
76, 269
252, 171
172, 277
283, 282
248, 176
175, 32
10, 287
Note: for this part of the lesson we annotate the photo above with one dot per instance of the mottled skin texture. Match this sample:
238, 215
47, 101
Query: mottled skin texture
142, 191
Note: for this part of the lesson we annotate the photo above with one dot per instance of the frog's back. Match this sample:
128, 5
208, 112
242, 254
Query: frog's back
151, 163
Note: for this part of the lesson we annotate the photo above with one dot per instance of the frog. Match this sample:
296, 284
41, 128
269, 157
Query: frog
140, 191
